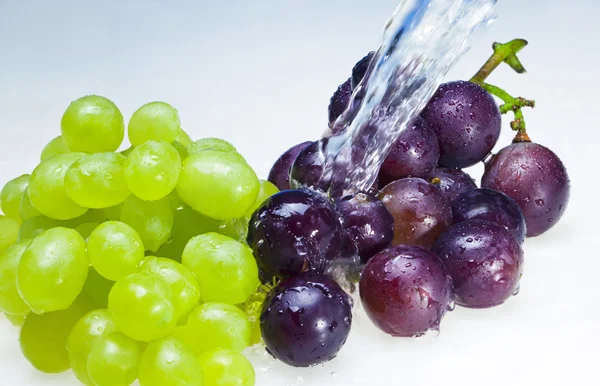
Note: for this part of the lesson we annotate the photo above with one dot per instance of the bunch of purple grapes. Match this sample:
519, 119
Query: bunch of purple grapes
429, 238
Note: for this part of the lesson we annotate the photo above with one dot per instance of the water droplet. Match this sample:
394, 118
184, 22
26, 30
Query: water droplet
516, 291
451, 306
539, 202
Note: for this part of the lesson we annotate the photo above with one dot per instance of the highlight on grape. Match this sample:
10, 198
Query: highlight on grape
164, 262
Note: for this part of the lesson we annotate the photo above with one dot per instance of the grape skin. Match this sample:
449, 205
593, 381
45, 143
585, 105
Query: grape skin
152, 220
226, 368
453, 182
168, 362
279, 174
26, 208
154, 121
339, 101
11, 196
10, 300
113, 361
55, 147
9, 232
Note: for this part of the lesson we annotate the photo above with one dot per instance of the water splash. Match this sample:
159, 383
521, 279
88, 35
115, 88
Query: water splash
421, 41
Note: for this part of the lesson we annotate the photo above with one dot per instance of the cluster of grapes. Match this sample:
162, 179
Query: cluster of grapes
79, 270
424, 236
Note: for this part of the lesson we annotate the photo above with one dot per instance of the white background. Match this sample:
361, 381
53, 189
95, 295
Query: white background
260, 73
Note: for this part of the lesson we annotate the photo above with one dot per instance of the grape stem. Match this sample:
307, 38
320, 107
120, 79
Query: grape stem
506, 53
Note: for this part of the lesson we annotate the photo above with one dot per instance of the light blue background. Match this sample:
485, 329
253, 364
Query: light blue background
260, 74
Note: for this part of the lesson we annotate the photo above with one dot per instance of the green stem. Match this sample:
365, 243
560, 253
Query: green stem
506, 53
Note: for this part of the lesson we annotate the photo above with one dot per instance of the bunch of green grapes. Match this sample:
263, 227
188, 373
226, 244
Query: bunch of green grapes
133, 265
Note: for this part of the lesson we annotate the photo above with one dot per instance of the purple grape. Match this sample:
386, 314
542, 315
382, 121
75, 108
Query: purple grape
535, 178
306, 320
453, 182
415, 153
484, 260
466, 120
308, 166
294, 231
339, 101
486, 204
420, 211
360, 69
405, 290
368, 223
280, 172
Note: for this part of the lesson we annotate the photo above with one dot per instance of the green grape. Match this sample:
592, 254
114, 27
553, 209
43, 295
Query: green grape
43, 338
47, 188
92, 124
91, 327
152, 220
35, 226
236, 228
10, 300
181, 149
267, 189
168, 362
218, 184
113, 213
210, 144
216, 325
183, 283
187, 224
26, 208
55, 147
113, 360
52, 270
253, 309
11, 195
142, 307
155, 121
126, 152
9, 232
97, 288
86, 229
16, 320
226, 368
225, 268
97, 180
115, 250
152, 170
183, 138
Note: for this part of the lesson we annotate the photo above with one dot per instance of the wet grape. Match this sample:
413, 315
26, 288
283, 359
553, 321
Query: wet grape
360, 69
339, 101
280, 172
453, 182
308, 167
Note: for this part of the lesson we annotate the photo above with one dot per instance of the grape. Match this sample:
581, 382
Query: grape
339, 101
26, 208
187, 224
216, 325
113, 361
85, 230
218, 184
47, 188
115, 250
10, 300
210, 144
152, 170
484, 260
92, 124
90, 328
405, 290
142, 307
414, 154
306, 320
9, 231
453, 182
535, 178
16, 320
181, 150
420, 210
168, 362
52, 270
293, 231
225, 268
308, 167
466, 120
368, 223
267, 189
152, 220
485, 204
11, 196
183, 138
236, 229
226, 368
183, 283
154, 121
113, 213
280, 172
360, 69
55, 147
97, 288
43, 338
